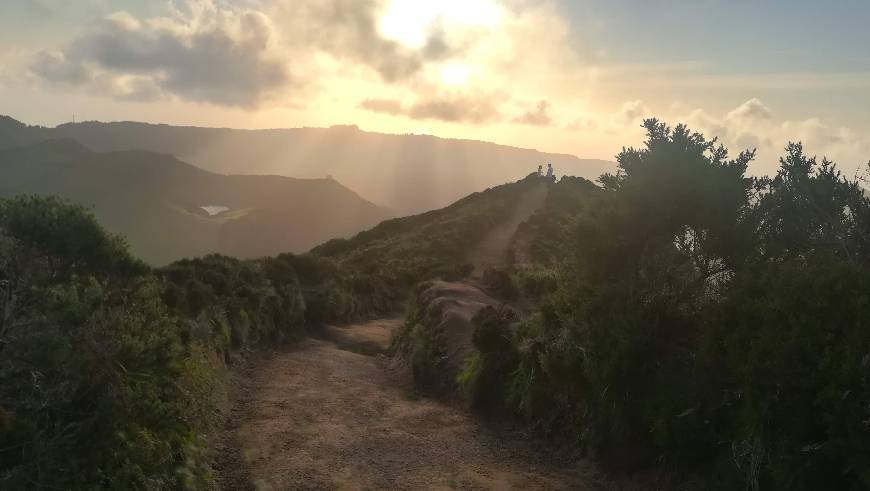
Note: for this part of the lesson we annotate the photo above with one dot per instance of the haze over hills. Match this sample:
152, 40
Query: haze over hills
304, 244
169, 209
407, 173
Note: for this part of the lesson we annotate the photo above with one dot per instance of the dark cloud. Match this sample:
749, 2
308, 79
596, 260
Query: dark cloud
223, 58
540, 116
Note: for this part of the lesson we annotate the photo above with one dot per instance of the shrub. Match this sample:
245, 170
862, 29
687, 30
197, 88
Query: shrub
89, 359
710, 321
483, 381
501, 283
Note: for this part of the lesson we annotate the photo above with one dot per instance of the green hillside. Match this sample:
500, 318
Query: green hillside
410, 248
156, 202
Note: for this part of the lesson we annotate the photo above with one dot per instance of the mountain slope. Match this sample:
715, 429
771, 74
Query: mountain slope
157, 201
408, 173
417, 247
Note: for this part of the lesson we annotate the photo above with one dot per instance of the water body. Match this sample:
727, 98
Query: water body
214, 210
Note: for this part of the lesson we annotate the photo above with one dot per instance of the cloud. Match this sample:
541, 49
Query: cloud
206, 54
633, 111
509, 47
456, 109
751, 110
336, 55
245, 53
56, 67
700, 119
540, 116
753, 125
583, 123
349, 30
386, 106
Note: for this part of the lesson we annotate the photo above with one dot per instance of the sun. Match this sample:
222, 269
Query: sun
455, 74
412, 22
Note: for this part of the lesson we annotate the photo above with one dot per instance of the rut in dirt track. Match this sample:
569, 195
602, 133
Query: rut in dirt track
330, 414
493, 249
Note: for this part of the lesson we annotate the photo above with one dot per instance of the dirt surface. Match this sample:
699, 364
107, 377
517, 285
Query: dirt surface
321, 417
368, 338
492, 251
335, 414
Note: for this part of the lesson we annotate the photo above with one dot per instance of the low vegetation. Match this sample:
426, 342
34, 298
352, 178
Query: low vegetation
679, 315
110, 370
97, 386
382, 265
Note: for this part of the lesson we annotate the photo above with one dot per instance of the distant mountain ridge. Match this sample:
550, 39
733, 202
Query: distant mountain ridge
407, 173
160, 203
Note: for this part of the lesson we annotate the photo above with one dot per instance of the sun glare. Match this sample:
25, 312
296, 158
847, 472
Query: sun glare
455, 74
411, 22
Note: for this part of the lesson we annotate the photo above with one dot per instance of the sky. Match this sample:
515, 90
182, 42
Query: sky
566, 76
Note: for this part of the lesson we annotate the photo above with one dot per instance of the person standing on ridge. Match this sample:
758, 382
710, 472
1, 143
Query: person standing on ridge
551, 176
540, 171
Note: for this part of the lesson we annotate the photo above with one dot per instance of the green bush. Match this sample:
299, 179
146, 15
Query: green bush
244, 302
501, 283
90, 360
709, 321
537, 282
483, 381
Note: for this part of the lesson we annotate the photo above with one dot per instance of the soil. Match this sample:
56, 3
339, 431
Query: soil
336, 414
321, 417
492, 251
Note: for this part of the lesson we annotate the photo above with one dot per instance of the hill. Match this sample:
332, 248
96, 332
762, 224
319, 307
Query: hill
407, 173
131, 361
713, 338
169, 209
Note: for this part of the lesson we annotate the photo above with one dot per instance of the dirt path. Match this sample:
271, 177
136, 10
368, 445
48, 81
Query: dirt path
321, 417
493, 249
330, 414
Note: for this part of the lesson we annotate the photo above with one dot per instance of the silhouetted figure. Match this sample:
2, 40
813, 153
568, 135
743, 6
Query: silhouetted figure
540, 171
551, 175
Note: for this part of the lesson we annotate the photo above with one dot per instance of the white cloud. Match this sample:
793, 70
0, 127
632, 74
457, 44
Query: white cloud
751, 110
248, 52
754, 125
